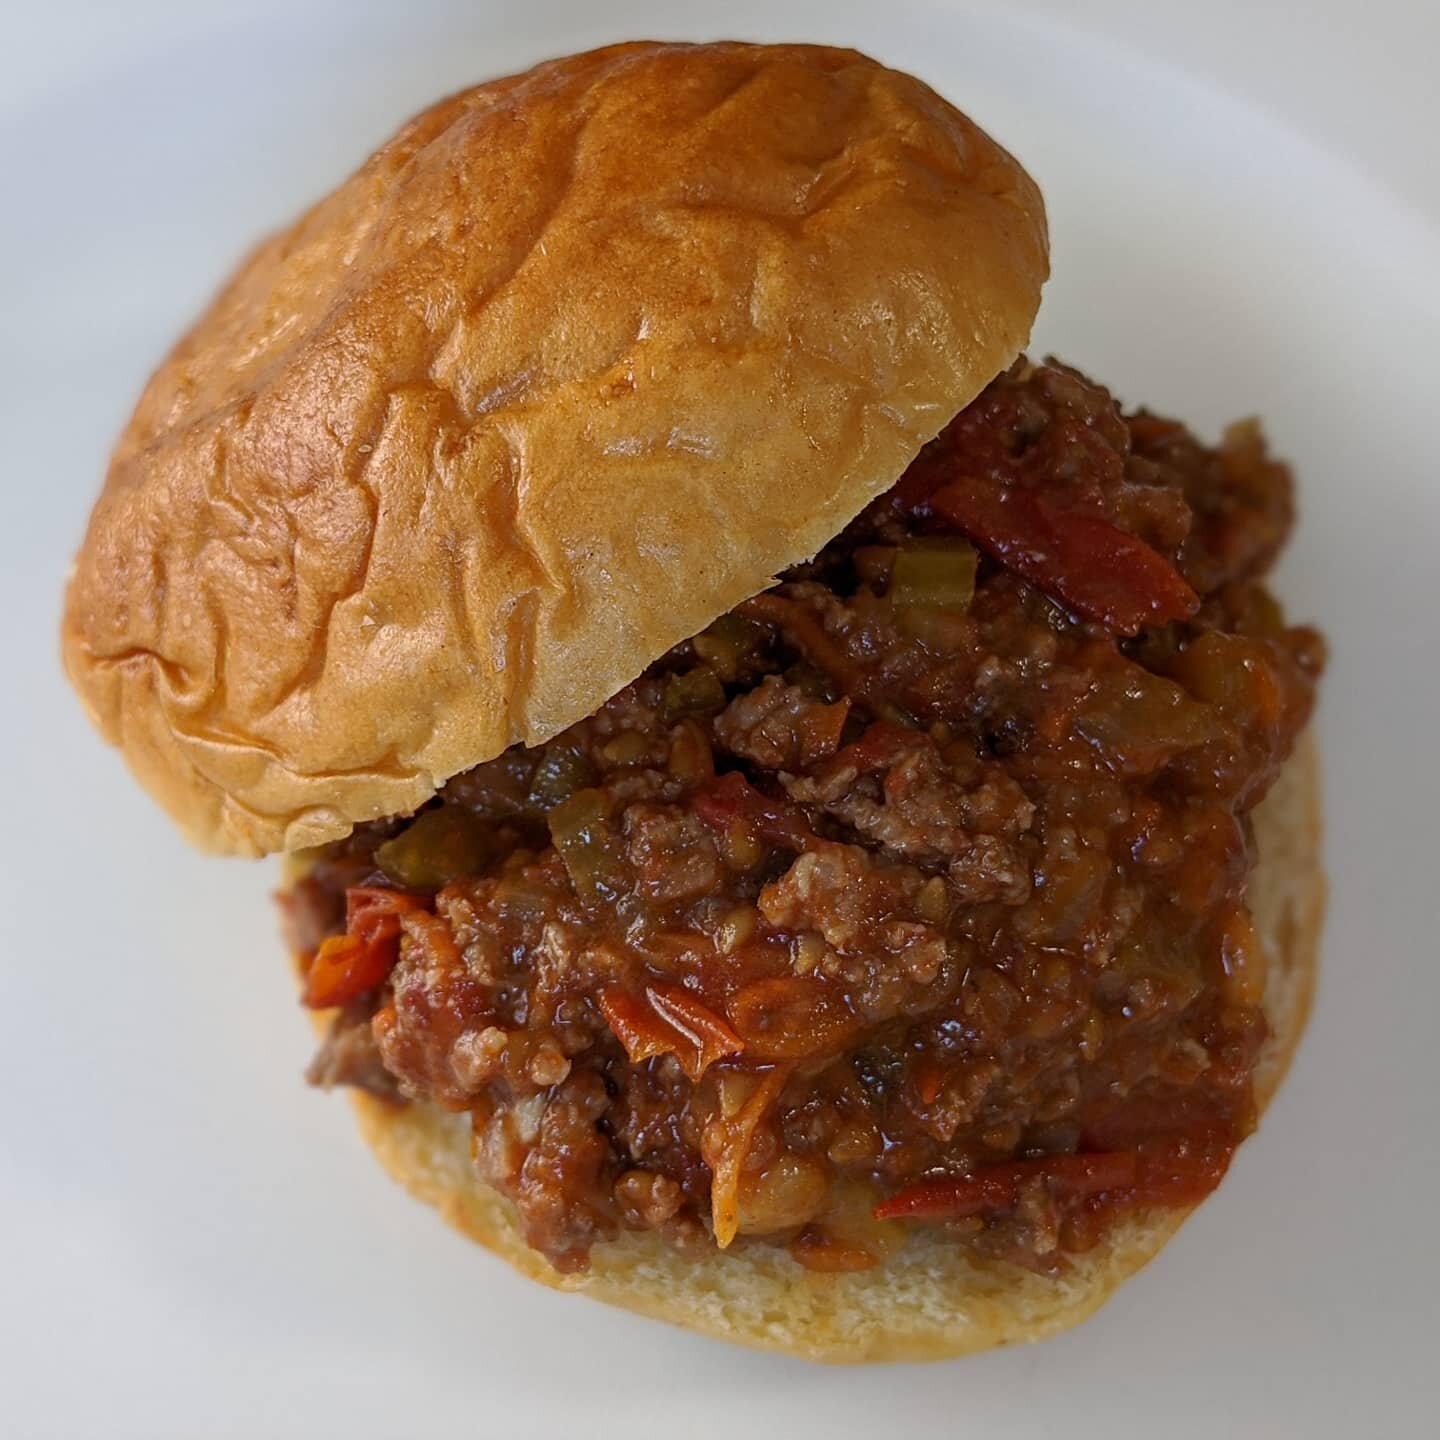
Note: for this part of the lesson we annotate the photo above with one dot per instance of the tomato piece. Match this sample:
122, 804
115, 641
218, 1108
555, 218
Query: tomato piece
909, 496
1096, 568
365, 905
1124, 1124
998, 1187
881, 745
732, 798
1183, 1144
348, 965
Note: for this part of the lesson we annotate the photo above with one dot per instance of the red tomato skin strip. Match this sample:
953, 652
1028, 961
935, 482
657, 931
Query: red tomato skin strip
1098, 570
346, 966
998, 1187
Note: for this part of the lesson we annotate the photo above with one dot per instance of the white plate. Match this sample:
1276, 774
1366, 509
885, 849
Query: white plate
193, 1244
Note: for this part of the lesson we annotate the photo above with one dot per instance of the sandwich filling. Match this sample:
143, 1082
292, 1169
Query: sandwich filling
909, 893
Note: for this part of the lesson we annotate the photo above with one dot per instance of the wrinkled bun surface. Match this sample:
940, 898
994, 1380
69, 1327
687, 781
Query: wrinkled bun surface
929, 1302
573, 364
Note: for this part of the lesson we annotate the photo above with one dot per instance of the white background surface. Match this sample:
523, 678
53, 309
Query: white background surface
1246, 215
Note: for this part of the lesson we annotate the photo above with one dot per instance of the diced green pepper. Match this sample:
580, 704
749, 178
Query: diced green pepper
689, 692
1142, 721
437, 847
559, 775
937, 571
588, 844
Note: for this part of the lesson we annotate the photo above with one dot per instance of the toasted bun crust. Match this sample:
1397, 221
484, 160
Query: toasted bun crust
573, 364
929, 1302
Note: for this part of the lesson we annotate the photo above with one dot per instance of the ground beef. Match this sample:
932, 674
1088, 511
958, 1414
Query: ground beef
349, 1055
910, 891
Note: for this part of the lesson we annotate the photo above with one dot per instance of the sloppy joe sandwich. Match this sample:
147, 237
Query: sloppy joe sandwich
798, 817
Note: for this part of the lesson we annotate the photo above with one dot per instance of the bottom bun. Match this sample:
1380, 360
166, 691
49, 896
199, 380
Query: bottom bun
931, 1301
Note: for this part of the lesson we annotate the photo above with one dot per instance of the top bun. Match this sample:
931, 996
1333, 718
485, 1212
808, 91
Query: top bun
573, 364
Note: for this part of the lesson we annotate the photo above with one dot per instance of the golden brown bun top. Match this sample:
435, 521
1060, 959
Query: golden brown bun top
573, 364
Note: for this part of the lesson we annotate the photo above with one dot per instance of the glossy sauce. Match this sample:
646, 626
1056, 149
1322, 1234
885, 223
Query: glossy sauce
910, 893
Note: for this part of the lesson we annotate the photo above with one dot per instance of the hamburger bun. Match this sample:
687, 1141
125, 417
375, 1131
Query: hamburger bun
931, 1301
573, 364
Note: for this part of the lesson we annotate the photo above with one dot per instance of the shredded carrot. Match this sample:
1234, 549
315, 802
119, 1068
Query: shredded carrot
670, 1021
708, 1036
736, 1135
636, 1026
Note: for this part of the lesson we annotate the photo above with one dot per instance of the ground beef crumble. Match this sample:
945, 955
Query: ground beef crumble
910, 892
